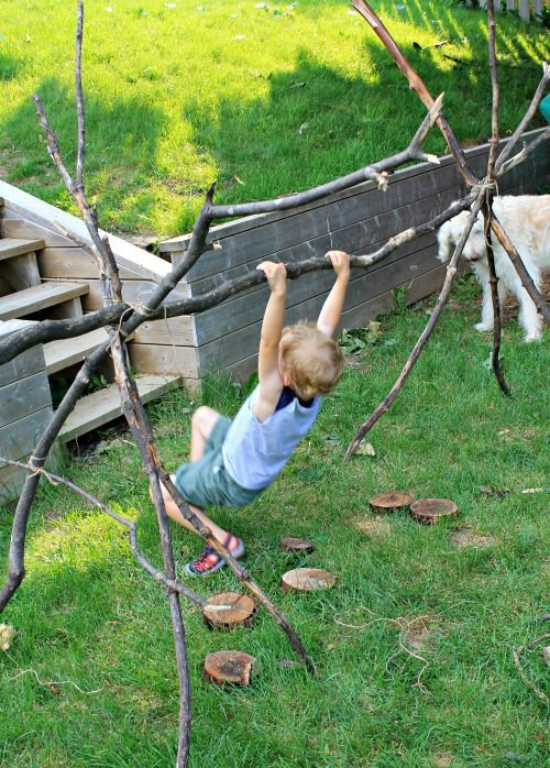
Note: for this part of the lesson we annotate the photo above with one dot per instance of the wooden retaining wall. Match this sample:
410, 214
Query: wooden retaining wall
161, 346
25, 409
358, 220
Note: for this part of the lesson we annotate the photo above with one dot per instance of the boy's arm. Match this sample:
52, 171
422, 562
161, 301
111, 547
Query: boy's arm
330, 314
271, 383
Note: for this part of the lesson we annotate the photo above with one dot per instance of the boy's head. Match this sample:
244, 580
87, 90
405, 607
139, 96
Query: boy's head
310, 361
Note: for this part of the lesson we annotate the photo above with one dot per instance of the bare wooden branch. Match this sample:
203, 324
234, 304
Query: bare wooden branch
416, 83
488, 203
392, 395
146, 564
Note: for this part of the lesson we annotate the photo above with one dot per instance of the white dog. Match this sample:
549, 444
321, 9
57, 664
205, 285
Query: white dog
526, 221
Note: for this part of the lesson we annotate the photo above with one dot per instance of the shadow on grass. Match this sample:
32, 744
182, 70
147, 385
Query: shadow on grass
121, 142
316, 123
9, 67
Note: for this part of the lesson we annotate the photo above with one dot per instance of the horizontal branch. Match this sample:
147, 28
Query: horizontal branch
51, 330
376, 172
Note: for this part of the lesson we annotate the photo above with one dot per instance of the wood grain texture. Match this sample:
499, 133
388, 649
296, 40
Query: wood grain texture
21, 398
164, 359
38, 298
19, 438
31, 361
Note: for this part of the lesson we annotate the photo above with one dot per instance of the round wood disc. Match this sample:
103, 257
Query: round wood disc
228, 609
292, 544
383, 503
232, 667
430, 511
308, 579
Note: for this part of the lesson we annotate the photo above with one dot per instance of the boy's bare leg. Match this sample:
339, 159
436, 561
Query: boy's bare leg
202, 423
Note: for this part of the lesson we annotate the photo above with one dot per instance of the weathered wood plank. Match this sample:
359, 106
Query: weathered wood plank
11, 483
62, 354
72, 263
538, 10
22, 271
135, 292
11, 246
163, 359
179, 331
39, 297
103, 406
21, 398
12, 225
19, 438
425, 284
23, 365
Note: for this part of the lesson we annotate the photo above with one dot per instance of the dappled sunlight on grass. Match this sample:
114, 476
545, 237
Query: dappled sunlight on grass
177, 97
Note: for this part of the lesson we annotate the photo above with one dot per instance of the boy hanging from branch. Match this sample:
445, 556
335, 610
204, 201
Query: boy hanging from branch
232, 461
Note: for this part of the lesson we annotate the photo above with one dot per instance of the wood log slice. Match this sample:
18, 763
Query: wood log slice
229, 609
292, 544
307, 579
383, 503
229, 667
430, 511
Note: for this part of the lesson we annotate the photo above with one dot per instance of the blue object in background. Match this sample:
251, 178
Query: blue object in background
545, 108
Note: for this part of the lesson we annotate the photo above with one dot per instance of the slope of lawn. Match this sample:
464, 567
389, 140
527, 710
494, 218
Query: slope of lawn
267, 98
413, 644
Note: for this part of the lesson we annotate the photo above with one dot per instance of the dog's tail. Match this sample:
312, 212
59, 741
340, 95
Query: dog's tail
444, 238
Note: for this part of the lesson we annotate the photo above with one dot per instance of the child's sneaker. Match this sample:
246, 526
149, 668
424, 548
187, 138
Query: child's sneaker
209, 561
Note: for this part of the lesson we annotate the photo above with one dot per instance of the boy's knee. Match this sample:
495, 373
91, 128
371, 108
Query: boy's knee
202, 418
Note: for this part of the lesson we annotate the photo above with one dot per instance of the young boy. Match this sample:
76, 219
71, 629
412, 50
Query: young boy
231, 462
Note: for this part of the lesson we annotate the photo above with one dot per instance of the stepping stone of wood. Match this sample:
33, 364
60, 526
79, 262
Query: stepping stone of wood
229, 609
430, 511
307, 579
229, 667
383, 503
293, 544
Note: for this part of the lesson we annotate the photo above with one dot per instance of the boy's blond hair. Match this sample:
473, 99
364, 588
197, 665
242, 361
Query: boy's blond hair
310, 359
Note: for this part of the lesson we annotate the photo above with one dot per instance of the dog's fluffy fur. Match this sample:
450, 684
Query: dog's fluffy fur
526, 220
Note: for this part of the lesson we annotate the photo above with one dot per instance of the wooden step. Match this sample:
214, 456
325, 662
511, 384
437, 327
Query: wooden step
103, 406
66, 352
39, 297
14, 246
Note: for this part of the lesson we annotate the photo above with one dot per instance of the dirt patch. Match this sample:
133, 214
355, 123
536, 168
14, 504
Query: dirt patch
466, 537
510, 310
443, 760
418, 633
374, 527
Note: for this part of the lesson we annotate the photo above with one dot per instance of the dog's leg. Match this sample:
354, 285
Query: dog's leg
481, 271
529, 318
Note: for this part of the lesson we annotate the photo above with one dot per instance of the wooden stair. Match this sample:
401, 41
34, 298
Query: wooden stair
104, 405
39, 297
19, 273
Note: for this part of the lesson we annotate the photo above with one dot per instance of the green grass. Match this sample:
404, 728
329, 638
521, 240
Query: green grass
175, 99
87, 613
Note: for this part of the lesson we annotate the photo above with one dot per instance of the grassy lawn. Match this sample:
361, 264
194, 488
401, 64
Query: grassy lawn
88, 614
180, 94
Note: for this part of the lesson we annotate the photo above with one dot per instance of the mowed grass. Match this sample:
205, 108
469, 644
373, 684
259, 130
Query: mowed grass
87, 612
264, 100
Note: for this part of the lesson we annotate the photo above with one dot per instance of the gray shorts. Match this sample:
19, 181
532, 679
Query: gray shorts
206, 481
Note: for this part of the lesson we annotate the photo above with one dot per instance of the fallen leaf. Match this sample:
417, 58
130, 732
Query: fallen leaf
239, 37
7, 633
296, 84
54, 689
303, 128
536, 490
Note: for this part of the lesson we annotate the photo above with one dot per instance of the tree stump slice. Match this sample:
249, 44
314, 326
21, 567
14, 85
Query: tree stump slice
430, 511
229, 667
383, 503
229, 609
307, 579
293, 544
